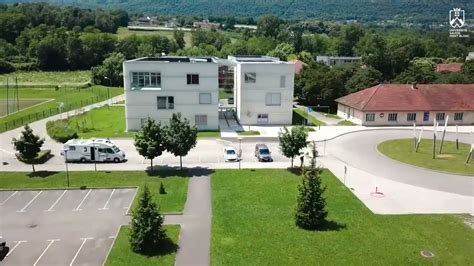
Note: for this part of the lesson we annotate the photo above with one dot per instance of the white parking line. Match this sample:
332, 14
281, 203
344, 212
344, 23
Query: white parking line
56, 202
14, 247
31, 201
82, 201
131, 202
108, 200
8, 198
79, 250
8, 152
51, 241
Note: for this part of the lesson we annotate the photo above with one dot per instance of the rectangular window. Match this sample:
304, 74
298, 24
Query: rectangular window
273, 99
205, 98
161, 102
170, 102
392, 116
426, 116
458, 116
250, 77
193, 79
72, 148
440, 116
200, 120
411, 117
146, 80
370, 117
282, 81
262, 118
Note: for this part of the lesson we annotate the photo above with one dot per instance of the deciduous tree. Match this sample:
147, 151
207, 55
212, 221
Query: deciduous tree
150, 141
292, 141
181, 137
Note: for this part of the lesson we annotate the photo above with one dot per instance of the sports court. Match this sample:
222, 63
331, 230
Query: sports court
15, 105
62, 227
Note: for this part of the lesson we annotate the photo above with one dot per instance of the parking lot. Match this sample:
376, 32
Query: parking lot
62, 227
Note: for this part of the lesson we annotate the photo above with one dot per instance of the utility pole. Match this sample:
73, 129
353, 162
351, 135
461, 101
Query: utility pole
17, 95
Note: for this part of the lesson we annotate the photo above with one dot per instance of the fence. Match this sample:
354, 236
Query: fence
31, 117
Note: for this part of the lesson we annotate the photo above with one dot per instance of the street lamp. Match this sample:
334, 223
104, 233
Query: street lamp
108, 90
240, 150
67, 169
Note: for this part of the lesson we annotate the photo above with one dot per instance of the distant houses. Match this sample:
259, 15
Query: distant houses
337, 60
205, 24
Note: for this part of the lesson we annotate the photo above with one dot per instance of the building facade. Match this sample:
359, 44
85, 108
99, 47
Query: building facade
159, 87
263, 90
404, 105
337, 60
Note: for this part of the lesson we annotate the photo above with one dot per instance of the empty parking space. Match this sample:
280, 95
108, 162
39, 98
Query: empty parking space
62, 227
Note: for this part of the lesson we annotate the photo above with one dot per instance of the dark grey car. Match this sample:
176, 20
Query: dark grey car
262, 153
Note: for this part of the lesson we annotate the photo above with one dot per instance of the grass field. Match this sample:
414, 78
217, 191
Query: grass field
299, 117
46, 78
71, 97
122, 254
109, 122
249, 133
253, 224
451, 160
124, 32
175, 182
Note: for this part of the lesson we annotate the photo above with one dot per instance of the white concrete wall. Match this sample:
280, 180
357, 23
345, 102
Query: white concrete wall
141, 104
359, 117
251, 97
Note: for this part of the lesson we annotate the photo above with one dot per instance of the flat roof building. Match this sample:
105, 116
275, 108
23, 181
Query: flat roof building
405, 104
337, 60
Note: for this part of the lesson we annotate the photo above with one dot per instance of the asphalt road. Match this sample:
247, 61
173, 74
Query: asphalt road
62, 227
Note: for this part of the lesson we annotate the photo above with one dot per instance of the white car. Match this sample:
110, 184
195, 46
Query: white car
230, 154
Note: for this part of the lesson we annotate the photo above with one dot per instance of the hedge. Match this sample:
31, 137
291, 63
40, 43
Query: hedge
43, 156
58, 131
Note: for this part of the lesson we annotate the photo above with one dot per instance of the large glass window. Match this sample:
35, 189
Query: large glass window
273, 99
250, 77
205, 98
146, 80
165, 102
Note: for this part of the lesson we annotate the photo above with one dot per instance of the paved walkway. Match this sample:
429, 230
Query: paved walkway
195, 222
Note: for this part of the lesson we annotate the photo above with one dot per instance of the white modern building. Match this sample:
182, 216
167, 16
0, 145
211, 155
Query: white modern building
263, 90
157, 87
337, 60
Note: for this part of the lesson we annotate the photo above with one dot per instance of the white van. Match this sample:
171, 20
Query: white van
92, 150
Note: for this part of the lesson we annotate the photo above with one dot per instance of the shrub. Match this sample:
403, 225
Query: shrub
162, 189
6, 67
59, 131
43, 156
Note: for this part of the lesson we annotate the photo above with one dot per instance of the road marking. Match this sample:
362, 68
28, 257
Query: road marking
8, 198
108, 200
131, 201
14, 247
56, 202
8, 152
82, 201
79, 250
51, 241
111, 236
31, 201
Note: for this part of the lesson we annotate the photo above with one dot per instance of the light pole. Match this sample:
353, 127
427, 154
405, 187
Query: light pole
67, 169
240, 150
108, 90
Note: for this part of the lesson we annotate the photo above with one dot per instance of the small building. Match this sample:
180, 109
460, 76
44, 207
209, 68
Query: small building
404, 104
263, 90
157, 87
470, 56
205, 24
337, 60
449, 68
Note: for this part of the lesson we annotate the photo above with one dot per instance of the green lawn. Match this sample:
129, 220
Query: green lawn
122, 254
72, 98
123, 32
249, 133
104, 122
209, 134
451, 160
47, 78
346, 123
253, 224
175, 182
299, 117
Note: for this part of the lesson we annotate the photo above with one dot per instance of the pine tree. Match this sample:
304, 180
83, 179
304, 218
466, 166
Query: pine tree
28, 145
311, 206
147, 234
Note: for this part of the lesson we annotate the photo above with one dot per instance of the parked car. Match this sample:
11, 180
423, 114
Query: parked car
262, 153
230, 154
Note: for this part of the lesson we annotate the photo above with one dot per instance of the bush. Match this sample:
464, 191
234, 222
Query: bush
43, 156
27, 66
59, 131
162, 189
6, 67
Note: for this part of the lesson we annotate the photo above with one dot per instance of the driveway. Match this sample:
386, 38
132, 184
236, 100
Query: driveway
62, 227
